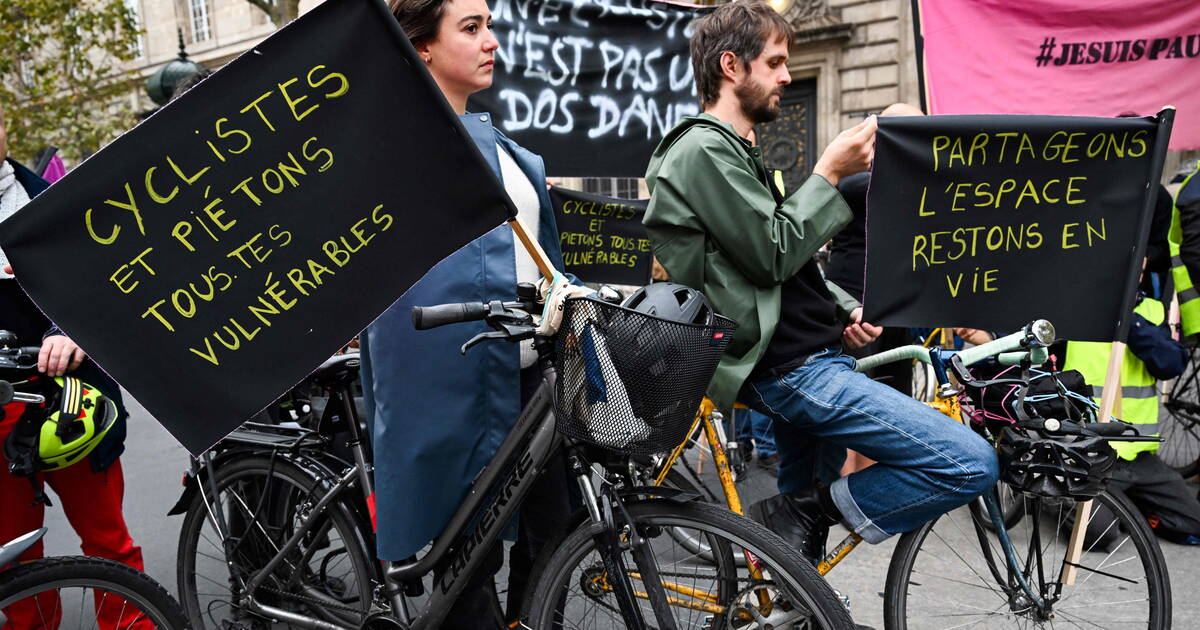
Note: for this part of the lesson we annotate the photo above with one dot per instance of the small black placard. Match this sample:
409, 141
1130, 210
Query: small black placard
602, 238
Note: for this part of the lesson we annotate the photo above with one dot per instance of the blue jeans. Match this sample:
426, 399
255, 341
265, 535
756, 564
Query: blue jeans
927, 464
754, 426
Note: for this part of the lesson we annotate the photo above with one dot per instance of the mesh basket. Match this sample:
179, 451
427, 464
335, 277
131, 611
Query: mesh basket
632, 382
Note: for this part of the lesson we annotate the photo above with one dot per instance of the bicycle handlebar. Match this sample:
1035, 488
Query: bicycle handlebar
1036, 335
426, 317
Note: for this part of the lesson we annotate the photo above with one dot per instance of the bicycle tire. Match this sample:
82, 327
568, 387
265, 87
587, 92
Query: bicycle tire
939, 576
573, 561
1181, 426
36, 579
313, 581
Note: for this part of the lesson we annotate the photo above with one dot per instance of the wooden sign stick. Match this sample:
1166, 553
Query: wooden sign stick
1112, 380
1083, 513
533, 247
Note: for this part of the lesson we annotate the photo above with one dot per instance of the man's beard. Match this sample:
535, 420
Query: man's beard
756, 102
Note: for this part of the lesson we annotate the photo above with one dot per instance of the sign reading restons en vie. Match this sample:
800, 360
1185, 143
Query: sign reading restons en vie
214, 255
603, 239
993, 221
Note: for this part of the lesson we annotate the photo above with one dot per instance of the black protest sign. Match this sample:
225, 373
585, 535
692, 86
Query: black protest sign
993, 221
214, 255
602, 238
591, 86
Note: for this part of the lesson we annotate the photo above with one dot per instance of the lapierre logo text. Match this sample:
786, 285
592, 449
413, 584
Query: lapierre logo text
1119, 51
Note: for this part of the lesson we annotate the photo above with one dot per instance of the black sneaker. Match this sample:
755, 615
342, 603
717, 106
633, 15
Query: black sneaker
800, 525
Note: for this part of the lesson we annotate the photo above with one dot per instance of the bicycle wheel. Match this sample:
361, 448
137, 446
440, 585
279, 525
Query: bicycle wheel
574, 589
328, 576
1181, 425
950, 573
55, 592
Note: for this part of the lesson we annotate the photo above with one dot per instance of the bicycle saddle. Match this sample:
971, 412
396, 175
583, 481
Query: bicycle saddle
338, 370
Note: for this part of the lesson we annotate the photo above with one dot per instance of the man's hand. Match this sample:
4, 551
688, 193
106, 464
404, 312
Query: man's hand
859, 333
59, 355
8, 269
852, 151
974, 335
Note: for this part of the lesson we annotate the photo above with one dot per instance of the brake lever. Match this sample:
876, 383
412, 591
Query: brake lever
508, 326
482, 337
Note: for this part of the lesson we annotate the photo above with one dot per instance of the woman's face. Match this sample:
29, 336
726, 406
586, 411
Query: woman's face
460, 56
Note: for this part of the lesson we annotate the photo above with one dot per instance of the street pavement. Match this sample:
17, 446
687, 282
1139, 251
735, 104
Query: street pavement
154, 462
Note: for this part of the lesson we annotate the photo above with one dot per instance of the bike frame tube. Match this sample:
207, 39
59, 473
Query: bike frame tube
471, 546
306, 525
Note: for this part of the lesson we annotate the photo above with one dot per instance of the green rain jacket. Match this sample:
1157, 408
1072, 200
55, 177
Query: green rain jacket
718, 225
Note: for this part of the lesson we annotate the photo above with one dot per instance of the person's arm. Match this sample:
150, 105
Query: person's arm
1164, 357
737, 211
845, 303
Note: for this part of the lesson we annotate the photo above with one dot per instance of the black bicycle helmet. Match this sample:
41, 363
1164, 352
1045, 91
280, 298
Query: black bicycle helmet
674, 302
1056, 467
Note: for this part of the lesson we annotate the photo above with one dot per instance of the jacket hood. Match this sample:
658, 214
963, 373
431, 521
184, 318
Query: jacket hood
682, 127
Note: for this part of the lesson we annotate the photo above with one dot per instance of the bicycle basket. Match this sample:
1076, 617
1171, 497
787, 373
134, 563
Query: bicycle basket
632, 382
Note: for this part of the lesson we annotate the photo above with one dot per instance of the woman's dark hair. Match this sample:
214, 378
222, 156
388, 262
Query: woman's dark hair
740, 27
418, 18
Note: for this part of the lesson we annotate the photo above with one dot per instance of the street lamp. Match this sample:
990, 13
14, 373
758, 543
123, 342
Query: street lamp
161, 85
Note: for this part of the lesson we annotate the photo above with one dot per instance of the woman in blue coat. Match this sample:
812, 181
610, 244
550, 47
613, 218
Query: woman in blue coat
439, 416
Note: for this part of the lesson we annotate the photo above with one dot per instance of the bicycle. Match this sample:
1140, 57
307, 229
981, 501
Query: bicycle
269, 480
1181, 427
978, 546
614, 566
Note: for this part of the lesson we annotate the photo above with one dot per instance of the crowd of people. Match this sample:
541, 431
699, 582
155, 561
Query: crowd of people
720, 223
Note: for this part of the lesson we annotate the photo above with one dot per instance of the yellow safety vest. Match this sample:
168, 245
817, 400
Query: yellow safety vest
1139, 396
1189, 298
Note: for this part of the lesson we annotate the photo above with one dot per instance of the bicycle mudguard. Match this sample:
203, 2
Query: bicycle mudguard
660, 492
191, 485
14, 548
636, 493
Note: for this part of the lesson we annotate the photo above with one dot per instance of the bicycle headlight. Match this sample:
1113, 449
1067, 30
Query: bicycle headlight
1042, 332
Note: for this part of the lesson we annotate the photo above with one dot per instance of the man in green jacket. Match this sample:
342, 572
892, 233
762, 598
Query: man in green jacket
718, 225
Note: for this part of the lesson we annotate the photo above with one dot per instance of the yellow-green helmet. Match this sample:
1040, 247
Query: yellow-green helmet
78, 417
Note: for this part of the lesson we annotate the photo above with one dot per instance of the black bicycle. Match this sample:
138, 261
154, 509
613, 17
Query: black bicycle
277, 531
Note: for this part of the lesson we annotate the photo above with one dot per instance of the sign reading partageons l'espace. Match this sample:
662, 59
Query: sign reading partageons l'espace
993, 221
214, 255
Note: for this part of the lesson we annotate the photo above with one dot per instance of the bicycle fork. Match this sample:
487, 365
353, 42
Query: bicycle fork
605, 508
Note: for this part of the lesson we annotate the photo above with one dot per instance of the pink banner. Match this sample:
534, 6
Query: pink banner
1069, 57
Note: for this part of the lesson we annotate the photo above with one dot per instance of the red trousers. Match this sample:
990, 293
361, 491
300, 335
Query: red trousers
92, 504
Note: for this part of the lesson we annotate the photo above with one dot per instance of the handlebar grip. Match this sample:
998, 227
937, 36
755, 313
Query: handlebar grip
426, 317
1106, 429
